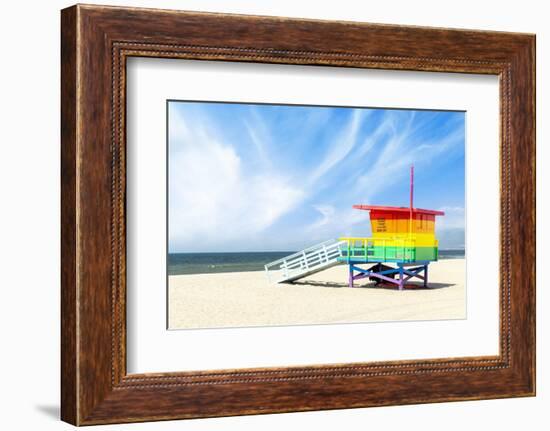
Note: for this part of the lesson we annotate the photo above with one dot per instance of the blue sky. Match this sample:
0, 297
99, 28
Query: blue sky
250, 177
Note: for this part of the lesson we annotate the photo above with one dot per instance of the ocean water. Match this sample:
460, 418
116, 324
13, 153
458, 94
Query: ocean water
209, 263
452, 254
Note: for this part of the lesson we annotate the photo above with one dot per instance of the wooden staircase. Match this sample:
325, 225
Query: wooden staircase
305, 262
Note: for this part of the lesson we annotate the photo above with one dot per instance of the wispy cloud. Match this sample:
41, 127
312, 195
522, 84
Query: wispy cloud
341, 147
326, 216
213, 199
258, 177
259, 135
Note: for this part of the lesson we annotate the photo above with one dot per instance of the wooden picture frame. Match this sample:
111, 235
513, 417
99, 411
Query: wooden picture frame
95, 42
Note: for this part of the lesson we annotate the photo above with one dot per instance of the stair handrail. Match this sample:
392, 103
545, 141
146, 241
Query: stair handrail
301, 252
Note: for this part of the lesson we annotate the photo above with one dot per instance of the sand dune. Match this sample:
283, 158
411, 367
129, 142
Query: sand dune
247, 299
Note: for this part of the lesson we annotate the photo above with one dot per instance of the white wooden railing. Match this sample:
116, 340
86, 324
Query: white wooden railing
305, 262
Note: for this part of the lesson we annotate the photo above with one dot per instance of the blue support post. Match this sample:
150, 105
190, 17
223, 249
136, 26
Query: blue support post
426, 275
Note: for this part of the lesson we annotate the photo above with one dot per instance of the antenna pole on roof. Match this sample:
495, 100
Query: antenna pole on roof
412, 186
411, 200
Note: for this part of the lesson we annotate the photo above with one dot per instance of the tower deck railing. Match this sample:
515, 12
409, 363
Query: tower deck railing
378, 249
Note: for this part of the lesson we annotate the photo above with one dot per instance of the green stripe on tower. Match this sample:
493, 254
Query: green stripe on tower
392, 253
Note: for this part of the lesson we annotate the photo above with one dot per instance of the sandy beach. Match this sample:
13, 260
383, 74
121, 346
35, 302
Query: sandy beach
241, 299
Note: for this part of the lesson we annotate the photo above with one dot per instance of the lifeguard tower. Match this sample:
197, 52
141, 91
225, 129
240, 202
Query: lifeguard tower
402, 236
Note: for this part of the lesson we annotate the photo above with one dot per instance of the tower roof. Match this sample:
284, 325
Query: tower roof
398, 209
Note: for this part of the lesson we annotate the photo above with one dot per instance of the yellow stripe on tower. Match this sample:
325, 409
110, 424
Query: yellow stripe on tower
385, 226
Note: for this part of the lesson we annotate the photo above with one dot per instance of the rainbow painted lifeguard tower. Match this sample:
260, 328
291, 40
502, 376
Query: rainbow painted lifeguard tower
401, 236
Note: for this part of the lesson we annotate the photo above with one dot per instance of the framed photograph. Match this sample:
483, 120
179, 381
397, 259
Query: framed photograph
288, 175
263, 214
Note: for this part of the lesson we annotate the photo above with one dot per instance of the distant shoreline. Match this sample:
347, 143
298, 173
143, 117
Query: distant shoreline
231, 262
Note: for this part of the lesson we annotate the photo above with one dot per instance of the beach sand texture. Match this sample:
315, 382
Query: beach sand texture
243, 299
